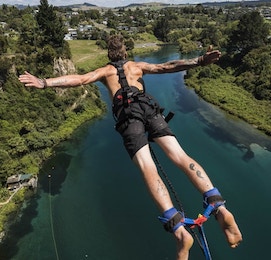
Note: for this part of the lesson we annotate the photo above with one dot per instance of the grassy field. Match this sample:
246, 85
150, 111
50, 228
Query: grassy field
86, 55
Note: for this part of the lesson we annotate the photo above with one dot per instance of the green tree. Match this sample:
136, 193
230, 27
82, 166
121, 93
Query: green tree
28, 34
255, 73
93, 14
112, 19
51, 26
3, 44
161, 28
17, 145
211, 35
252, 32
6, 64
130, 44
74, 21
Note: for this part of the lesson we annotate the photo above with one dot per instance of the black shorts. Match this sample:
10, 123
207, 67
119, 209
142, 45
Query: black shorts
134, 135
146, 125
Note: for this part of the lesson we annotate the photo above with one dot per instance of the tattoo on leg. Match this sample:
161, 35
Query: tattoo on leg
161, 188
199, 174
193, 168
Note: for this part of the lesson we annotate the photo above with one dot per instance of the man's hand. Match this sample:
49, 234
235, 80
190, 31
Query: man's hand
31, 81
209, 57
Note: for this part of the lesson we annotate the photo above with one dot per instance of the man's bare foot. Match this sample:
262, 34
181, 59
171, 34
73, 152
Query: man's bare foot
184, 243
229, 226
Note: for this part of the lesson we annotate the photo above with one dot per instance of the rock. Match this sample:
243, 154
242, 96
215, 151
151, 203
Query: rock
63, 67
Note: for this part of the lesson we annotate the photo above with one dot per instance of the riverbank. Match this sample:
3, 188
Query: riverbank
222, 92
10, 211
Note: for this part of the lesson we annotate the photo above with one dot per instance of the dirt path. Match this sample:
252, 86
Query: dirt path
9, 199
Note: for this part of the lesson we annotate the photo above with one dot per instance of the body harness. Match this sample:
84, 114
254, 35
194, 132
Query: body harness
130, 94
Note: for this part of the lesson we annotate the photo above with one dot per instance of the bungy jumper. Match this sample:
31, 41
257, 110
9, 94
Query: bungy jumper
171, 219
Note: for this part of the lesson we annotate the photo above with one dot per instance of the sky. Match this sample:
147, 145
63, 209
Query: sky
107, 3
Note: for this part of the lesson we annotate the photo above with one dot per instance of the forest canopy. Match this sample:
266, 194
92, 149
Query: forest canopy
32, 122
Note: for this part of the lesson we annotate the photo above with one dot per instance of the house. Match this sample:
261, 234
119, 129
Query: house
71, 35
18, 180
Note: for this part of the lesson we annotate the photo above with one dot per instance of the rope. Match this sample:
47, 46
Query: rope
51, 218
169, 184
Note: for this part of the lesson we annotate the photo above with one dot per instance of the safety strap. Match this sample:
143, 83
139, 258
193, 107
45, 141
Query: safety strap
126, 91
128, 95
172, 220
212, 200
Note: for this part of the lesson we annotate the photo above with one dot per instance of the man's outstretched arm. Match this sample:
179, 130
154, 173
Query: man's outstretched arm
179, 65
63, 81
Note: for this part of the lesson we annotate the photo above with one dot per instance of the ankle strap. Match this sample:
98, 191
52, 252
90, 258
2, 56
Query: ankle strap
212, 199
172, 220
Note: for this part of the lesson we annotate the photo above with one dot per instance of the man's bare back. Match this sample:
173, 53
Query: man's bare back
133, 72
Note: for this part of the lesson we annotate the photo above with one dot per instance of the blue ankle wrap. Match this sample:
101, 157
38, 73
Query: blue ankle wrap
170, 213
172, 219
212, 198
211, 192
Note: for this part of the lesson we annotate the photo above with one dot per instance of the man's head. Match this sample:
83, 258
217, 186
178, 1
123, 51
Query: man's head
116, 48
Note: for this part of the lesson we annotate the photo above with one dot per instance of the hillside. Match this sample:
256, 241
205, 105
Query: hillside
87, 5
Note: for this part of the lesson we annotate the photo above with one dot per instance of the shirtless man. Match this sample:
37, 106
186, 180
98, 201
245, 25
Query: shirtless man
136, 113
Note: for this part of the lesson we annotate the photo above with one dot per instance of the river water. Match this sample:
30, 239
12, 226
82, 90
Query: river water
92, 202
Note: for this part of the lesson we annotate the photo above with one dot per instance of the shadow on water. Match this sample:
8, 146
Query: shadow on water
184, 97
56, 168
9, 247
221, 126
21, 223
235, 132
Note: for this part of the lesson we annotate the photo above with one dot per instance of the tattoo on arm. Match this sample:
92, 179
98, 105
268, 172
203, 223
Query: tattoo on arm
172, 66
58, 82
180, 64
193, 168
93, 74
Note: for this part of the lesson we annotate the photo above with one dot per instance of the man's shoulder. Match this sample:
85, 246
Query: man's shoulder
136, 63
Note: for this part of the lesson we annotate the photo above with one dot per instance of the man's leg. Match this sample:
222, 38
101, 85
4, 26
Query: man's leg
161, 196
201, 181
